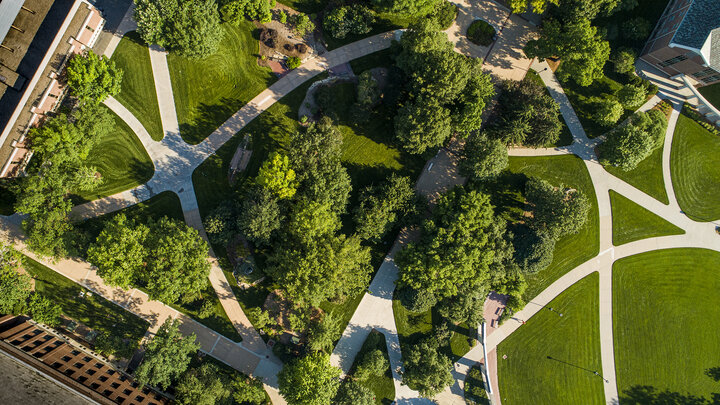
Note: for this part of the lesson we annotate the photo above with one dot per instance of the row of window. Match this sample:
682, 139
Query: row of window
708, 75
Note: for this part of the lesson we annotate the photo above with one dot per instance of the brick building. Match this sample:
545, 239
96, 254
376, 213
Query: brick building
686, 41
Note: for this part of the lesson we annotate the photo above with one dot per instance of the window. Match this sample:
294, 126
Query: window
672, 61
703, 73
712, 78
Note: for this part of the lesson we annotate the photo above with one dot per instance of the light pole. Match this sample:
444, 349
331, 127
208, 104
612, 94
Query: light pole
551, 309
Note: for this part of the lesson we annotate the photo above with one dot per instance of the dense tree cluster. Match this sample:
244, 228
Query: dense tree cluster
309, 380
526, 115
426, 369
381, 206
355, 19
483, 158
93, 78
14, 287
446, 91
629, 144
167, 257
167, 355
189, 27
235, 11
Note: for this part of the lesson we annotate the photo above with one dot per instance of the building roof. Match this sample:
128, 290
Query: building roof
702, 17
714, 57
9, 9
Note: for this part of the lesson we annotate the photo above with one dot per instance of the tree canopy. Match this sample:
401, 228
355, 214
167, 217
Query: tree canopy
309, 380
483, 158
167, 355
557, 211
355, 19
630, 144
201, 386
380, 206
14, 287
277, 177
426, 369
93, 78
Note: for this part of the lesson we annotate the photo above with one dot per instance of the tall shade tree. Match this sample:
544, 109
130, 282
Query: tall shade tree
259, 216
573, 10
14, 287
536, 6
455, 248
582, 49
483, 158
248, 390
426, 369
119, 253
407, 8
201, 386
422, 124
167, 356
353, 393
93, 78
380, 207
188, 27
633, 142
356, 19
44, 310
310, 380
277, 176
557, 211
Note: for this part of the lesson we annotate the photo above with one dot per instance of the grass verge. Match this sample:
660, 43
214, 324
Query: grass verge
137, 93
646, 177
632, 222
552, 359
694, 163
666, 313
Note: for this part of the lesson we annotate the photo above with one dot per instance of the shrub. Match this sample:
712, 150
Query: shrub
293, 62
636, 29
624, 61
607, 111
631, 96
283, 17
693, 114
480, 33
356, 19
302, 25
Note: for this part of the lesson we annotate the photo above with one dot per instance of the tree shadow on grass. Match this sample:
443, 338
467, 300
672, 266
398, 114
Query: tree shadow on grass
207, 118
649, 395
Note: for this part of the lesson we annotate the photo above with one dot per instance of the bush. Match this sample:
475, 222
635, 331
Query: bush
607, 111
293, 62
372, 365
445, 13
302, 25
694, 115
480, 33
624, 61
631, 96
356, 19
636, 29
283, 17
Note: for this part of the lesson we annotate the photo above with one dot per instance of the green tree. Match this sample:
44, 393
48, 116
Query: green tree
581, 48
454, 249
293, 62
368, 94
426, 370
93, 78
249, 391
310, 380
417, 300
201, 386
44, 310
302, 24
311, 220
632, 143
380, 206
167, 355
276, 176
624, 61
256, 10
557, 211
324, 333
536, 6
259, 216
111, 344
355, 19
14, 287
422, 124
573, 10
607, 111
483, 158
534, 251
188, 27
636, 29
353, 393
407, 8
632, 96
373, 364
119, 253
466, 306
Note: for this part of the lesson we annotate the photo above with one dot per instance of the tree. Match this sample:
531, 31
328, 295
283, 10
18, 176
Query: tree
353, 393
534, 252
311, 220
454, 249
607, 111
630, 144
368, 94
111, 344
536, 6
43, 310
407, 8
167, 355
426, 369
581, 48
624, 61
526, 115
373, 364
14, 287
277, 177
483, 158
417, 300
293, 62
188, 27
119, 252
557, 211
467, 306
302, 24
380, 206
422, 124
201, 386
259, 216
323, 333
631, 96
573, 10
256, 10
310, 380
355, 19
93, 78
249, 390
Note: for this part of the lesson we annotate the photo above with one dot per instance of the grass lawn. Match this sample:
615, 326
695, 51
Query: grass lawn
666, 314
632, 222
411, 326
566, 137
96, 312
475, 388
571, 250
122, 161
138, 85
381, 385
694, 166
208, 91
551, 359
711, 94
646, 177
167, 204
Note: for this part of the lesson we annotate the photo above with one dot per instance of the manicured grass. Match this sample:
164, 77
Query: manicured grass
411, 326
694, 166
381, 385
646, 177
208, 91
666, 314
711, 94
462, 339
121, 159
552, 359
571, 250
566, 137
94, 311
138, 85
632, 222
